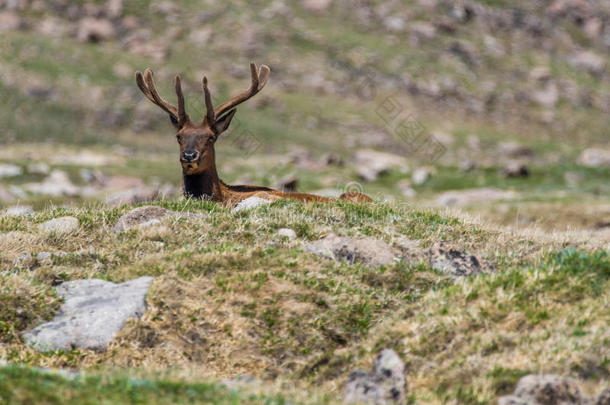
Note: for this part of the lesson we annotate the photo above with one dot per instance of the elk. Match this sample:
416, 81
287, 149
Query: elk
197, 139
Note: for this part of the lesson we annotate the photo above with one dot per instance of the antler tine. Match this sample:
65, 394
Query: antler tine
259, 79
210, 117
182, 116
142, 86
154, 96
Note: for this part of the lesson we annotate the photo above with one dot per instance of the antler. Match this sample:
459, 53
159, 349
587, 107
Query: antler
147, 86
259, 79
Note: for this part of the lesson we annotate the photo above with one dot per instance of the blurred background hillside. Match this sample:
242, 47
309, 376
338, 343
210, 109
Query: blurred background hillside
500, 108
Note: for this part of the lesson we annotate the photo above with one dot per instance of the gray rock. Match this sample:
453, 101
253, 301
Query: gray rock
250, 202
545, 389
141, 216
385, 384
368, 251
455, 262
287, 233
93, 313
60, 226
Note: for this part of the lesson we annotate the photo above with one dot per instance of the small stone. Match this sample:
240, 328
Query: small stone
9, 170
140, 217
93, 313
287, 233
60, 226
368, 251
18, 211
385, 384
250, 202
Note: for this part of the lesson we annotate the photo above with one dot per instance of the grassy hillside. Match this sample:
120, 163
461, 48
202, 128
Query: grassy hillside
231, 297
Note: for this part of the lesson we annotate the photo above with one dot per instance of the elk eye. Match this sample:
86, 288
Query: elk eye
179, 138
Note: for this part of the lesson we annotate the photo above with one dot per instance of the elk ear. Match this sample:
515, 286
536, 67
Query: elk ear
223, 122
174, 121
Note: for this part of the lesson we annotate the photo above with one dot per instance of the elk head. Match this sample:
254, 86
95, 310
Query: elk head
196, 139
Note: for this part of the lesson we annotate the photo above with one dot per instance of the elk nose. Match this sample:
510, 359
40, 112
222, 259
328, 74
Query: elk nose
190, 155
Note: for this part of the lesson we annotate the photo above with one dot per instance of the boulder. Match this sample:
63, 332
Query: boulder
368, 251
386, 383
455, 262
93, 313
60, 226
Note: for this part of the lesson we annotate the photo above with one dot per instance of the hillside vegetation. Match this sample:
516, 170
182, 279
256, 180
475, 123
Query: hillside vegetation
498, 110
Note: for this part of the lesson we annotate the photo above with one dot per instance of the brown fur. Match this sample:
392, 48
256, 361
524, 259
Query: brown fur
197, 139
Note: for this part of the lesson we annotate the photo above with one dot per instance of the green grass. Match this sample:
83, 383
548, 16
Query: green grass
21, 385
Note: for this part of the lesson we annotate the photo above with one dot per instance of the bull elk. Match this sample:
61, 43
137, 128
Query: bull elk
197, 139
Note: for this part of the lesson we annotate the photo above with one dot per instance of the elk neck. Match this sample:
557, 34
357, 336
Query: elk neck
204, 186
